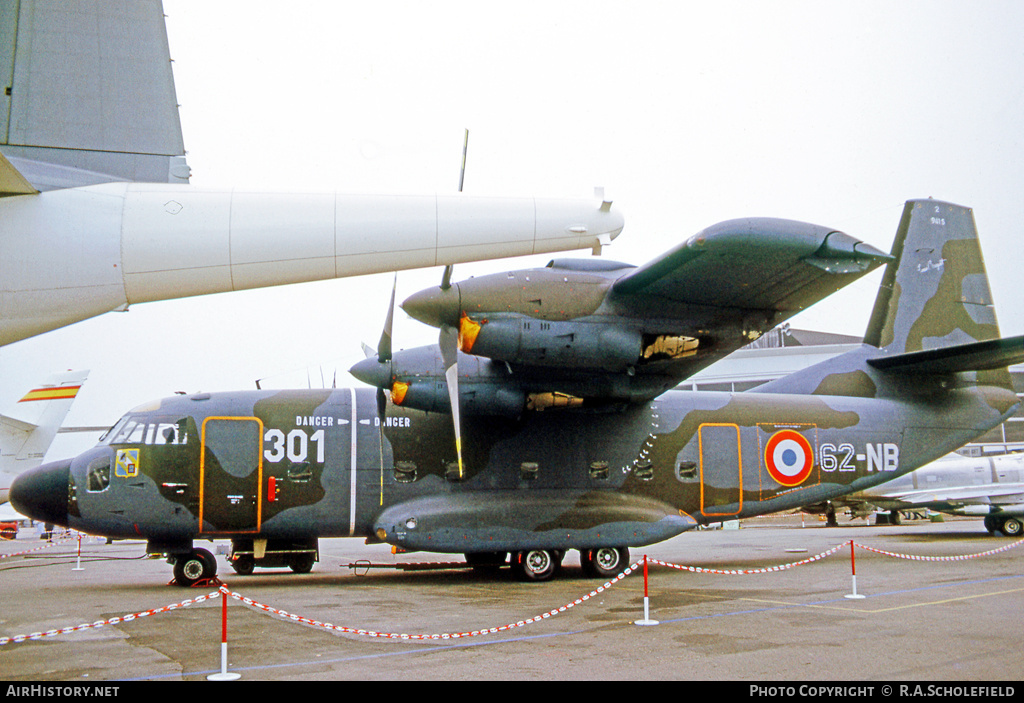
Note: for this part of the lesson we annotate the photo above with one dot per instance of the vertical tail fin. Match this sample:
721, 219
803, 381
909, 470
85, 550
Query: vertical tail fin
933, 314
935, 293
23, 442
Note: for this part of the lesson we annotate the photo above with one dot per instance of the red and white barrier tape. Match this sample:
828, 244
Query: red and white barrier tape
484, 631
61, 539
28, 551
741, 572
438, 636
112, 621
962, 557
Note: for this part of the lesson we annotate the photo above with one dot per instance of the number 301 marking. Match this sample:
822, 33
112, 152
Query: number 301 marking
295, 445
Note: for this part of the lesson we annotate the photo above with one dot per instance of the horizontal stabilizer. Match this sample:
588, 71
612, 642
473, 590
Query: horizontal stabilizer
975, 356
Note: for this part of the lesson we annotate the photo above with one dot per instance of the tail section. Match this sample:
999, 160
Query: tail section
934, 311
935, 294
90, 95
933, 316
23, 443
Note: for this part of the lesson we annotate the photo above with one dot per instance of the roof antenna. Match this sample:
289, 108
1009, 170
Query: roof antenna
465, 147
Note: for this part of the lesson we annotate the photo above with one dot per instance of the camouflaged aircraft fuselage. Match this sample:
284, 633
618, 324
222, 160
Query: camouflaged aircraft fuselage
303, 464
599, 476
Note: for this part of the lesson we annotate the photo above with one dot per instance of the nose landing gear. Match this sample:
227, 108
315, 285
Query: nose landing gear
195, 566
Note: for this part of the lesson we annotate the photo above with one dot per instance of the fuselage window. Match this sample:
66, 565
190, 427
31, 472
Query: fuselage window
405, 471
299, 472
686, 471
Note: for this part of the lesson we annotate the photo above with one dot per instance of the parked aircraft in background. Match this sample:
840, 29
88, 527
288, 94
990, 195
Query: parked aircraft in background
24, 440
96, 212
991, 487
273, 471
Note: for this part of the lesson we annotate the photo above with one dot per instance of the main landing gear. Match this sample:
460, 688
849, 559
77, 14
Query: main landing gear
535, 565
1009, 526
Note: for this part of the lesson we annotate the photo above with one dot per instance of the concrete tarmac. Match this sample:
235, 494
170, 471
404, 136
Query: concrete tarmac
948, 620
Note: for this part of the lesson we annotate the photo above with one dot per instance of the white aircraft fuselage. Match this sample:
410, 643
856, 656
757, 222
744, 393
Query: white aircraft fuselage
74, 253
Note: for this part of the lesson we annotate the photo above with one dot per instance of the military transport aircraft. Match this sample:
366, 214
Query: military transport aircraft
273, 471
97, 213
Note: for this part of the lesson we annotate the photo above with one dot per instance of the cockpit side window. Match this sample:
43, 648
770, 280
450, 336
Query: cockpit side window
149, 429
98, 475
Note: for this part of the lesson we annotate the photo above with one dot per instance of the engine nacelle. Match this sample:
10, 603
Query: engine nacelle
573, 344
431, 395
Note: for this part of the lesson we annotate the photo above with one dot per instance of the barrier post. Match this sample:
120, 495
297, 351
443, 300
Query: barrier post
224, 674
78, 560
647, 613
853, 570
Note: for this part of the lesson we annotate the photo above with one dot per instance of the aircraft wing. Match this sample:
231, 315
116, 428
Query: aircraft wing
990, 493
92, 96
757, 263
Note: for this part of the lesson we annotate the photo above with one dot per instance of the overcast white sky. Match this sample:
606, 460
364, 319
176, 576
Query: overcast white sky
686, 113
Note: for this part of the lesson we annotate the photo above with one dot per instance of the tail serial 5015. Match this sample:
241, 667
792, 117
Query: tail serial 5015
619, 464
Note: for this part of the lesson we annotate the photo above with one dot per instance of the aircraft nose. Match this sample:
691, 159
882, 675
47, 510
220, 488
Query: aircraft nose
42, 493
373, 372
434, 306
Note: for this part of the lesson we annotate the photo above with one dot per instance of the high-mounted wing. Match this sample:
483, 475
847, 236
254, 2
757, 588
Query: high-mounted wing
757, 264
609, 331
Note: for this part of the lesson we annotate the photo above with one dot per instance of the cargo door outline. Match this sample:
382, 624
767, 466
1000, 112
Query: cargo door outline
215, 504
724, 440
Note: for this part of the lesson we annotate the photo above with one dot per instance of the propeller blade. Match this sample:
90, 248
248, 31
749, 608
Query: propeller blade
449, 343
384, 345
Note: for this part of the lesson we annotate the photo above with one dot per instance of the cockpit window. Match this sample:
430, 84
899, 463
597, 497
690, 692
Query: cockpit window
148, 429
98, 474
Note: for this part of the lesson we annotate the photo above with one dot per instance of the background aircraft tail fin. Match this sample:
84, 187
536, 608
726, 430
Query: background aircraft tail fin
23, 442
90, 96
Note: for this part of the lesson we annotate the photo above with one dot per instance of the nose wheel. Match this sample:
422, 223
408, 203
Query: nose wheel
193, 567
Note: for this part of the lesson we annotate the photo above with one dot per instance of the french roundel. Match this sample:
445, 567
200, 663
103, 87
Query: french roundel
789, 457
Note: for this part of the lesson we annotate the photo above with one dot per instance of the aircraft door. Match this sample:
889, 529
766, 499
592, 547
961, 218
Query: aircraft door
721, 469
230, 475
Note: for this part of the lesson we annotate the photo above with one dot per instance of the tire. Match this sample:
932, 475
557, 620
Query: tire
604, 562
244, 565
209, 560
191, 568
1011, 527
301, 563
990, 524
486, 562
535, 565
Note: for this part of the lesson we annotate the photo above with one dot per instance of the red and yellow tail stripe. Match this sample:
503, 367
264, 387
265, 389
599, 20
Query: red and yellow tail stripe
51, 393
